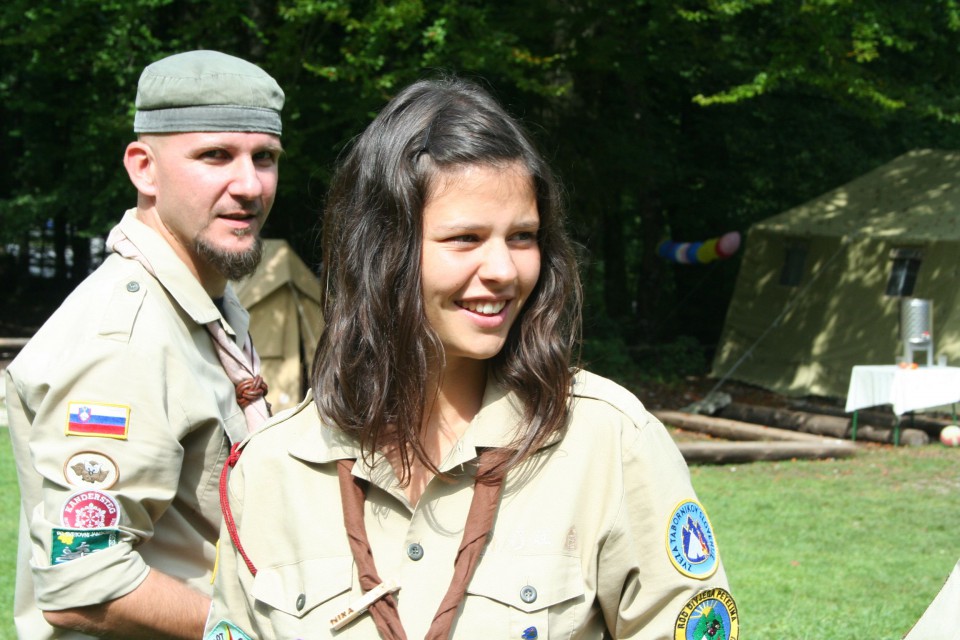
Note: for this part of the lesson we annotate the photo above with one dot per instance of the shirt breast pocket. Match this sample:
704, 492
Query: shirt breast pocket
519, 596
287, 593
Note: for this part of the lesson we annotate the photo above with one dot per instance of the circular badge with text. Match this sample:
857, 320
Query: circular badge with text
709, 615
690, 542
90, 510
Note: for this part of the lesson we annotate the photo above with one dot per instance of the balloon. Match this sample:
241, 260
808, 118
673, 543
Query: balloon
728, 244
700, 252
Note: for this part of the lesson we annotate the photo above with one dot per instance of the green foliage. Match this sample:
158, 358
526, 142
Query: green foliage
665, 119
672, 361
608, 355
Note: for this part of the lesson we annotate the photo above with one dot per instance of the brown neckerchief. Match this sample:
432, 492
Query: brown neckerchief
483, 509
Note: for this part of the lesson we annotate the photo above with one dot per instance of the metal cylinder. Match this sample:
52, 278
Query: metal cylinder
916, 321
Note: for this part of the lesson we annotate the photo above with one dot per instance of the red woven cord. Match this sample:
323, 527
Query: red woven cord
225, 505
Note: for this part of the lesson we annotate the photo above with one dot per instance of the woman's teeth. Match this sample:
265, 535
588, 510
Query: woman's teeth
485, 308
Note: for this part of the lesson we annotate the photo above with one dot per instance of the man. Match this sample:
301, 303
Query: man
124, 405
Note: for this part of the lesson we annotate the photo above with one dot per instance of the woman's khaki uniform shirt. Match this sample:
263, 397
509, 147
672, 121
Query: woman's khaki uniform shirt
134, 344
578, 547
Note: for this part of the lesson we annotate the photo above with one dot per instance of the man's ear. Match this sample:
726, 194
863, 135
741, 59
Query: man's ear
140, 161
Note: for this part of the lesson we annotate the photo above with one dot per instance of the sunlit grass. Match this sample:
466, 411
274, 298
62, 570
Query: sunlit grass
9, 521
831, 550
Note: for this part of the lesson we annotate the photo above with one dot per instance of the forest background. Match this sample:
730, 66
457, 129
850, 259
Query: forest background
665, 119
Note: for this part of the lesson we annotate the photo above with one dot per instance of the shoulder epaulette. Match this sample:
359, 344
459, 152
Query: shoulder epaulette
589, 385
120, 311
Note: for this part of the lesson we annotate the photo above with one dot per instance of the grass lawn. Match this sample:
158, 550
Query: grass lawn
9, 522
831, 550
815, 550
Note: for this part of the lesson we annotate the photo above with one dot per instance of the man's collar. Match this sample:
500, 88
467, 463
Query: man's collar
180, 282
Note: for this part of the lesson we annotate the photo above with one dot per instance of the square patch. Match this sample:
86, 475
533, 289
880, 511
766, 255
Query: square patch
71, 544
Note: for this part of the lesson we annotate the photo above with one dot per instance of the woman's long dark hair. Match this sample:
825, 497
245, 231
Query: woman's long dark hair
370, 373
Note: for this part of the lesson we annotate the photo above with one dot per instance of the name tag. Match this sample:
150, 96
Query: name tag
361, 604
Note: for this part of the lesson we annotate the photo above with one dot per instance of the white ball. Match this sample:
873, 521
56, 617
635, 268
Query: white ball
950, 435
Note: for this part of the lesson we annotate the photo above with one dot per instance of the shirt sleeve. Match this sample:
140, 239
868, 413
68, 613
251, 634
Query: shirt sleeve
646, 586
104, 465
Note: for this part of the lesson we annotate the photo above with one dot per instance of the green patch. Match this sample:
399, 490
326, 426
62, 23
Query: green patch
72, 544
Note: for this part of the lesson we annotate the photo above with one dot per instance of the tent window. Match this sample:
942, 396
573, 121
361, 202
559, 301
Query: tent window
905, 263
792, 272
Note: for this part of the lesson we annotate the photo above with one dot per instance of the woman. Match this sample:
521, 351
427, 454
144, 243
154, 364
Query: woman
452, 475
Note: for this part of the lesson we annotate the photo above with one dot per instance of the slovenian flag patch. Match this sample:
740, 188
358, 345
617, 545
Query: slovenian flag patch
100, 420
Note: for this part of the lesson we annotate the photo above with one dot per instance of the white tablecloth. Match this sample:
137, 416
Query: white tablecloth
906, 389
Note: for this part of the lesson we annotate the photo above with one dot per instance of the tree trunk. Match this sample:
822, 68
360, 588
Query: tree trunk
60, 248
81, 257
728, 452
733, 429
650, 286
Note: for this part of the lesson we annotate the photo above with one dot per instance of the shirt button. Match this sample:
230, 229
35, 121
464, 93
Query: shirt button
528, 594
133, 286
414, 551
301, 600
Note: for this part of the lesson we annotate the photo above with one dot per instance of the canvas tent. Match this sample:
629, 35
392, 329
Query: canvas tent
820, 285
283, 297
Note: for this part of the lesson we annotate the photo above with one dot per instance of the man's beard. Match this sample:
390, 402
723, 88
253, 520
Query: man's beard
232, 265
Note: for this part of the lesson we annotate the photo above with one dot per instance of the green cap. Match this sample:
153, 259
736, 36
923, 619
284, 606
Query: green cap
207, 91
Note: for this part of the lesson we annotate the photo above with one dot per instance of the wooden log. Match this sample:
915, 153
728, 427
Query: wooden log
730, 429
924, 421
832, 426
729, 452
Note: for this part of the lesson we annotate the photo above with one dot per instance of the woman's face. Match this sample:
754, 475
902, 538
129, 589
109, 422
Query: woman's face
480, 257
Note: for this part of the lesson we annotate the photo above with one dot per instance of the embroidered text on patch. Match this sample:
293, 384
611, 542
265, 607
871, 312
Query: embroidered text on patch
90, 510
690, 542
72, 544
99, 420
710, 614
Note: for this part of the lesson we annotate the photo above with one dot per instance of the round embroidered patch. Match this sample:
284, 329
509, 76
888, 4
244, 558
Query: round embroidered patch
91, 470
90, 510
690, 542
711, 615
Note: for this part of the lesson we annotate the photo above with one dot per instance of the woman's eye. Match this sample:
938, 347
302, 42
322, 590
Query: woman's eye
525, 236
465, 239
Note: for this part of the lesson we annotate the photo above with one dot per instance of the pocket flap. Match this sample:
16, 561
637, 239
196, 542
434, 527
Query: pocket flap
528, 583
297, 588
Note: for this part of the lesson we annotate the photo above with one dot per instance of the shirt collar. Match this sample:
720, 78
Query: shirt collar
177, 279
494, 426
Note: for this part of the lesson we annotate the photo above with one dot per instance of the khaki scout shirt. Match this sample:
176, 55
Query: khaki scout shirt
942, 618
132, 344
578, 548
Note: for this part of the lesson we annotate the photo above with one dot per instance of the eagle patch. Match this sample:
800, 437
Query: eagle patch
91, 470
